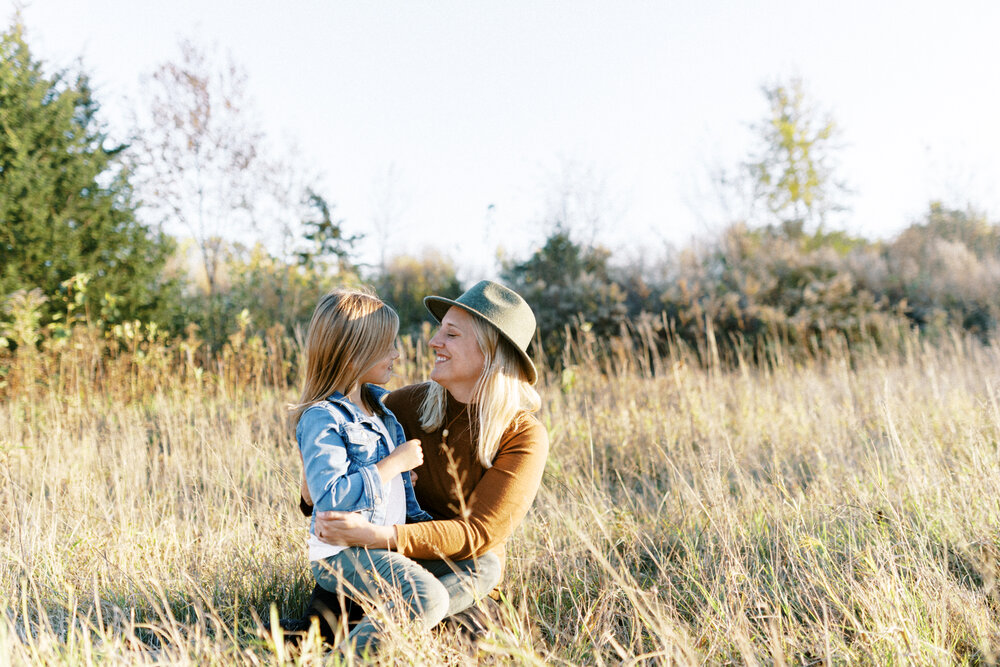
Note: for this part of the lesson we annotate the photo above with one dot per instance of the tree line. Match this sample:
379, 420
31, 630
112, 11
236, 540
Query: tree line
194, 224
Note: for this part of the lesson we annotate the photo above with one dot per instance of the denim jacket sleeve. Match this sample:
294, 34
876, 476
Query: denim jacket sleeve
324, 454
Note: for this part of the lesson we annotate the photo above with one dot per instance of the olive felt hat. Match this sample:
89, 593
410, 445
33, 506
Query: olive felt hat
500, 306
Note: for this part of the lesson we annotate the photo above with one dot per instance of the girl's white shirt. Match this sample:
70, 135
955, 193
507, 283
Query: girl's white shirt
395, 511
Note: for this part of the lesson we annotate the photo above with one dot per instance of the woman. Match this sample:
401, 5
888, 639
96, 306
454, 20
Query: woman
484, 451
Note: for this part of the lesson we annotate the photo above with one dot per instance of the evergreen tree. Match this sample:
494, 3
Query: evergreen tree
65, 202
568, 283
326, 247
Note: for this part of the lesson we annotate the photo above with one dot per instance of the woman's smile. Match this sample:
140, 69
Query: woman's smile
458, 360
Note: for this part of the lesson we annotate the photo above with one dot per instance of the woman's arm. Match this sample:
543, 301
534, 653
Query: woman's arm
495, 508
353, 530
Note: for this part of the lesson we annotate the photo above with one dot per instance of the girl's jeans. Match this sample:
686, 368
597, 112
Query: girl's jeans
429, 590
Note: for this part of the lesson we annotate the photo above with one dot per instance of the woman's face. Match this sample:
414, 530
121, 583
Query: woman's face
381, 370
458, 361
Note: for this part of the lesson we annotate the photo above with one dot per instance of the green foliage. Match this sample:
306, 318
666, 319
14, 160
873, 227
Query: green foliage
275, 292
968, 227
753, 288
253, 290
568, 283
753, 291
326, 245
792, 170
944, 269
65, 201
72, 252
406, 280
24, 310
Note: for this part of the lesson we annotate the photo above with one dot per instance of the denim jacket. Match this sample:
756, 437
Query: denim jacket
340, 446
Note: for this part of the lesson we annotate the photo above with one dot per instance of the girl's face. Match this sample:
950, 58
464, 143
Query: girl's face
381, 370
458, 361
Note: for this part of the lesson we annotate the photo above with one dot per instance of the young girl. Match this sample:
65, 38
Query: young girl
356, 458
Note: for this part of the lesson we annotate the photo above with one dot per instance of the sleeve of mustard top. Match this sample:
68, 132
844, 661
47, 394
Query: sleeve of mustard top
497, 505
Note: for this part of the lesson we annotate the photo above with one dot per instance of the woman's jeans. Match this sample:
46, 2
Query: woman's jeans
429, 590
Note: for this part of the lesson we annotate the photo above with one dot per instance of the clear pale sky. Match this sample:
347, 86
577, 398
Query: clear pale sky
484, 110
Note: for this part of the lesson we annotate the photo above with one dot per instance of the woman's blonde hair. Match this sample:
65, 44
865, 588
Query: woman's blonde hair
350, 330
501, 397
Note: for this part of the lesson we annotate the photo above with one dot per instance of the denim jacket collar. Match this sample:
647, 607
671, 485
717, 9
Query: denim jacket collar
377, 392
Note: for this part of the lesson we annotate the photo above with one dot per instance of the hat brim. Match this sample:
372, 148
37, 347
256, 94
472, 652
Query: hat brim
438, 306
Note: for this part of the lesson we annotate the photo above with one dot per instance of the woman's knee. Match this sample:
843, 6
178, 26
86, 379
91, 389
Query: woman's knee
489, 569
407, 582
430, 599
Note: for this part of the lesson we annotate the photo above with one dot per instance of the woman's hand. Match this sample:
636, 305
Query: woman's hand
350, 529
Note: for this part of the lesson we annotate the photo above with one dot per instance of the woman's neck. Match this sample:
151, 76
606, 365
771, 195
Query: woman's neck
461, 394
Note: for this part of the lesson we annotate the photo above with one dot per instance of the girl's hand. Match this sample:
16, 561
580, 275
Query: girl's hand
405, 457
350, 529
410, 455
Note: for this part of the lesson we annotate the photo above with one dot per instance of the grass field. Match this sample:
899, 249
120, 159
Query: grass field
839, 509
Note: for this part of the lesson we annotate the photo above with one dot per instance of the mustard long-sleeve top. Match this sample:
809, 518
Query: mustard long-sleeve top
475, 509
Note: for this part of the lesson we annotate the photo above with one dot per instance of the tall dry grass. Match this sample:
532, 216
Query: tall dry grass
843, 508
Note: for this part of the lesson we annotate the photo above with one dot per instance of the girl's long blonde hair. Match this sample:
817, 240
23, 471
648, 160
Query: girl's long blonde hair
502, 394
350, 330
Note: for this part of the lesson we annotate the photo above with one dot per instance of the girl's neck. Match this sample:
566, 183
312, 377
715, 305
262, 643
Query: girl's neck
355, 397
